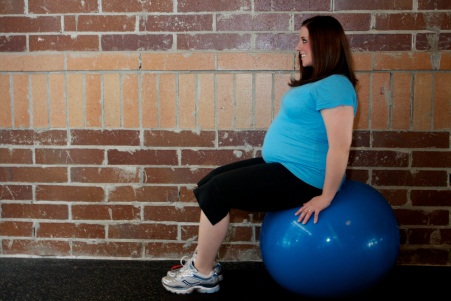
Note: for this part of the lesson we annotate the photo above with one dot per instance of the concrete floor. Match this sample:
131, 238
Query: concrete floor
36, 279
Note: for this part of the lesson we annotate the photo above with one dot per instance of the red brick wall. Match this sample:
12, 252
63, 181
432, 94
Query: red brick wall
111, 111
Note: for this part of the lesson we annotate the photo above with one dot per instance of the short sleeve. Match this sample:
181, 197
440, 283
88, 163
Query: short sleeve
334, 91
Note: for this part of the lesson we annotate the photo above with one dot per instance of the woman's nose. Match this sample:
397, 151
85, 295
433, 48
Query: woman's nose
298, 47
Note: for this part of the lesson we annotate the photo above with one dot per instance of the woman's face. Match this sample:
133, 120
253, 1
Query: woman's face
304, 48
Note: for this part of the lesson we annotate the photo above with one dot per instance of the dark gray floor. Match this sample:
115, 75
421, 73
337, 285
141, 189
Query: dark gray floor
26, 279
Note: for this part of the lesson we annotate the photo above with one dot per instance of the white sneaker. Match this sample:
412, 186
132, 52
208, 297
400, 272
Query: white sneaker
189, 279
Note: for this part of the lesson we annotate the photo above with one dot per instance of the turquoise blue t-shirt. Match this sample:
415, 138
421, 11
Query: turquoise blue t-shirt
297, 137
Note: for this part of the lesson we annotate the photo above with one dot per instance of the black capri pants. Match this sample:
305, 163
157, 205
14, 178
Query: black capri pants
251, 185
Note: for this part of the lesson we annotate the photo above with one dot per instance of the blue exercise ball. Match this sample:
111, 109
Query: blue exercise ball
353, 246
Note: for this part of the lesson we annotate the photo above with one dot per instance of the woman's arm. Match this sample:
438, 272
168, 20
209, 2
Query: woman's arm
339, 126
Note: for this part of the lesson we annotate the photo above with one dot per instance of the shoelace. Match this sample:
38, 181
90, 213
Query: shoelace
184, 260
185, 272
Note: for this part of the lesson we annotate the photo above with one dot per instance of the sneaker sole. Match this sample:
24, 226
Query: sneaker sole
199, 289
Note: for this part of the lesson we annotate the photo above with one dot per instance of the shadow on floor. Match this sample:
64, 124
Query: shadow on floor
30, 279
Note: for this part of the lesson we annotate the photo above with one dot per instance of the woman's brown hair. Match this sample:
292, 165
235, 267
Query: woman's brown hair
330, 51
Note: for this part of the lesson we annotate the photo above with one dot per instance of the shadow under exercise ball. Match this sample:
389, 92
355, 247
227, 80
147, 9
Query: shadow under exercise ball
353, 246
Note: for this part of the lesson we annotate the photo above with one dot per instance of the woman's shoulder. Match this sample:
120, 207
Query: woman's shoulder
335, 86
334, 81
340, 78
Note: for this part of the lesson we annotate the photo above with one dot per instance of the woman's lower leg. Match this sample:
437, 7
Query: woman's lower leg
209, 241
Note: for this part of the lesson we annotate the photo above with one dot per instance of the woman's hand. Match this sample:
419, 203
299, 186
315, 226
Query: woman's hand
312, 208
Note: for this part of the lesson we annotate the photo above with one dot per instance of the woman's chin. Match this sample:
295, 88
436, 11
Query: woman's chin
305, 64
